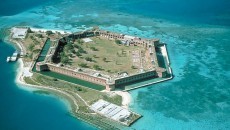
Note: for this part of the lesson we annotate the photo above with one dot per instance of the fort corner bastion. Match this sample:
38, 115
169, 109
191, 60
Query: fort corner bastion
146, 62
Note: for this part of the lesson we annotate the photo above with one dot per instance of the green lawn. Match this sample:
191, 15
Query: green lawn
109, 56
89, 95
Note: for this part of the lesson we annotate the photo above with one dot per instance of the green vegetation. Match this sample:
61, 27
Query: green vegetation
67, 53
118, 42
115, 99
36, 50
80, 50
29, 31
96, 67
133, 67
89, 95
30, 81
31, 47
39, 35
78, 54
89, 59
84, 65
106, 58
79, 41
33, 44
93, 48
76, 46
64, 59
49, 32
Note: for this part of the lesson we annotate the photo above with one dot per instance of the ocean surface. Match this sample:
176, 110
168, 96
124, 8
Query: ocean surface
197, 34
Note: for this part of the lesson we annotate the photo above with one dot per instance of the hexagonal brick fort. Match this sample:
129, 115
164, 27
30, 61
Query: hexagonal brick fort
98, 77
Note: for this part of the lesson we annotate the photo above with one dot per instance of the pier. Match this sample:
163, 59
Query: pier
14, 57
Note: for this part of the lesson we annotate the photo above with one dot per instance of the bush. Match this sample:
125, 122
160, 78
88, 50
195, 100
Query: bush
49, 33
78, 54
32, 37
93, 48
71, 55
55, 79
79, 41
36, 50
133, 67
83, 65
118, 41
64, 59
79, 89
31, 47
96, 67
29, 30
39, 35
68, 47
73, 51
88, 59
76, 46
80, 50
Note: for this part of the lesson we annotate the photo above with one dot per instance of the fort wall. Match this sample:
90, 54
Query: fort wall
40, 66
76, 74
133, 78
149, 44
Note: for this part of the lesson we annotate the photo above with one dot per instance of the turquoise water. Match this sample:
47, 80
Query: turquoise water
21, 109
197, 36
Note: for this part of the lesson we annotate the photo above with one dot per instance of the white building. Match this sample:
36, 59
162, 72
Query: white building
19, 32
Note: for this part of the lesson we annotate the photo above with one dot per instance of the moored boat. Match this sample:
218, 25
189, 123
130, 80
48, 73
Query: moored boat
8, 59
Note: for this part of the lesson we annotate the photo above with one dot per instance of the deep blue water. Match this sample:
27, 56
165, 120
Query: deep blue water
197, 36
12, 7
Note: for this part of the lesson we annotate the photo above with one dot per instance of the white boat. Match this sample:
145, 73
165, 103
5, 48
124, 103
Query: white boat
8, 59
14, 57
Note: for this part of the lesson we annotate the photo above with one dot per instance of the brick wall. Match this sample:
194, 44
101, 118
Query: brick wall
136, 77
78, 75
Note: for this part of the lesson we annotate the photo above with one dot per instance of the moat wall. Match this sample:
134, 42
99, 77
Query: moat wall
73, 73
134, 78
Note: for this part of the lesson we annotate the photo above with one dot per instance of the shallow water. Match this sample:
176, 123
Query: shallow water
197, 36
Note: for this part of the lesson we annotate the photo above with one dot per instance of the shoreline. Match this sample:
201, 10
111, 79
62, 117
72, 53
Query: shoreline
33, 88
126, 98
30, 87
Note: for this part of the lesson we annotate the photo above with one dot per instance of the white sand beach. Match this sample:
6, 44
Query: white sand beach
126, 98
